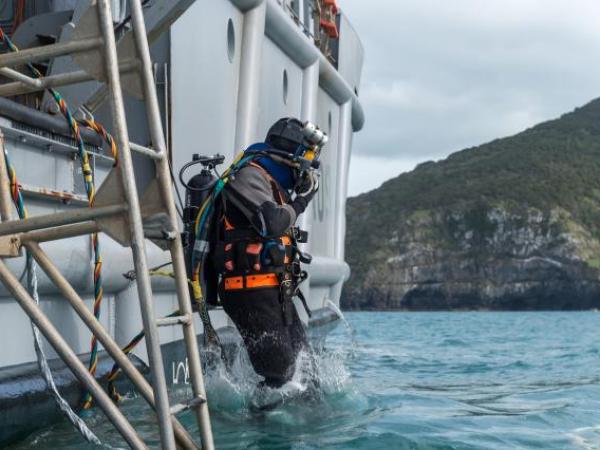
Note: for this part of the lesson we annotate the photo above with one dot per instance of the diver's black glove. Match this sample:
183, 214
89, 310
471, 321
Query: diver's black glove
305, 192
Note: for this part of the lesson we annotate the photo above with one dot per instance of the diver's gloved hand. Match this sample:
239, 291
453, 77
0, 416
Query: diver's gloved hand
309, 185
305, 192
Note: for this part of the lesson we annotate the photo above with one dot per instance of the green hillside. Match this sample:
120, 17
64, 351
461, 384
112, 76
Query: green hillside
554, 166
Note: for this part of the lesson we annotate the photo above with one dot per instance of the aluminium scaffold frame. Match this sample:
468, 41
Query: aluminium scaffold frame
117, 200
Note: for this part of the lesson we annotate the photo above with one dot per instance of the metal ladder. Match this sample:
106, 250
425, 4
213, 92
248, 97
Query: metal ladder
118, 213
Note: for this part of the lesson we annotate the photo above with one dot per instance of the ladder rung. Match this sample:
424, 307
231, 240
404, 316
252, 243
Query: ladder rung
193, 403
176, 320
146, 151
61, 232
57, 219
22, 86
18, 76
48, 51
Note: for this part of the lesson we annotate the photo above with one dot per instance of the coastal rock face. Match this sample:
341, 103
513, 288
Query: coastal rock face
511, 225
527, 260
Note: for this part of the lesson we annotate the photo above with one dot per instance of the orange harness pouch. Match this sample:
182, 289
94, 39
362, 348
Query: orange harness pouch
235, 283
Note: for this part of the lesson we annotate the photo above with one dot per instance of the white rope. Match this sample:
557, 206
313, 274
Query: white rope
32, 285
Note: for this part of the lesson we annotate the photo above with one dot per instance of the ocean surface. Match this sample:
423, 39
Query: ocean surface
482, 380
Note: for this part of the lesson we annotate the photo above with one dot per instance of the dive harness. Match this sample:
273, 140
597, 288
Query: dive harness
305, 158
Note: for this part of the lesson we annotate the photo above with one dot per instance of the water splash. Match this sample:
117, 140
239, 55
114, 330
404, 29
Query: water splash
351, 331
338, 312
235, 387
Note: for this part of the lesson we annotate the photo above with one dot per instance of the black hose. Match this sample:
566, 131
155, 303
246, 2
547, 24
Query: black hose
191, 188
127, 19
160, 266
38, 119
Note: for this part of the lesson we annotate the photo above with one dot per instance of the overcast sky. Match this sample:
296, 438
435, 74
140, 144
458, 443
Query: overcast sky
440, 75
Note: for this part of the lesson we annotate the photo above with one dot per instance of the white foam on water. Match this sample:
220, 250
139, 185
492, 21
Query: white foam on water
235, 388
351, 331
229, 388
580, 442
338, 312
577, 437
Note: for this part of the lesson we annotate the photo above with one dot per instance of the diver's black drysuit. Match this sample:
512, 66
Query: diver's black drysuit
253, 268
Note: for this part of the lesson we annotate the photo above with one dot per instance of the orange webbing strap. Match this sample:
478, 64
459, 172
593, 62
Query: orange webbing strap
287, 241
328, 23
333, 5
252, 281
330, 28
228, 225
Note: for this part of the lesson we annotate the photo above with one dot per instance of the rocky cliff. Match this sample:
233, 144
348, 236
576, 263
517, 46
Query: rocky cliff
512, 224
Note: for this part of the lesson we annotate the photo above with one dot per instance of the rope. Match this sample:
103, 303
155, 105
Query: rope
19, 15
43, 363
98, 128
98, 290
32, 286
91, 194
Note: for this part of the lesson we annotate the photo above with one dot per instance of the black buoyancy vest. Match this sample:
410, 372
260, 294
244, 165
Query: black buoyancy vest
243, 257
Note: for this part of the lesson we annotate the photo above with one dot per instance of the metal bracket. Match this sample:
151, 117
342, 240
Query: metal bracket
10, 246
111, 193
153, 214
93, 61
156, 222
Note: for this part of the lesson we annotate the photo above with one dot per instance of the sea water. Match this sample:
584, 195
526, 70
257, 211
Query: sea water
410, 381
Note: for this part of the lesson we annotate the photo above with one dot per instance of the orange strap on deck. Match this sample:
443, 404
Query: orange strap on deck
333, 5
252, 281
328, 22
330, 28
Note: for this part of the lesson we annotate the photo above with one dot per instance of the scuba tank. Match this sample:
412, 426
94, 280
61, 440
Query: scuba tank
197, 190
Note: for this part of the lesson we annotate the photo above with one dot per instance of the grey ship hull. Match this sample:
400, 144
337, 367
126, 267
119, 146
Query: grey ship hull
223, 77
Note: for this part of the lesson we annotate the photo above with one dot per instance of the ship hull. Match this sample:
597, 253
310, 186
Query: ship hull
222, 79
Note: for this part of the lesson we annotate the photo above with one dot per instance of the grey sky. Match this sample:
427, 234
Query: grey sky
441, 75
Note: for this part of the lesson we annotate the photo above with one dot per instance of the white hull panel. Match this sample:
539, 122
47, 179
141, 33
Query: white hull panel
232, 73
